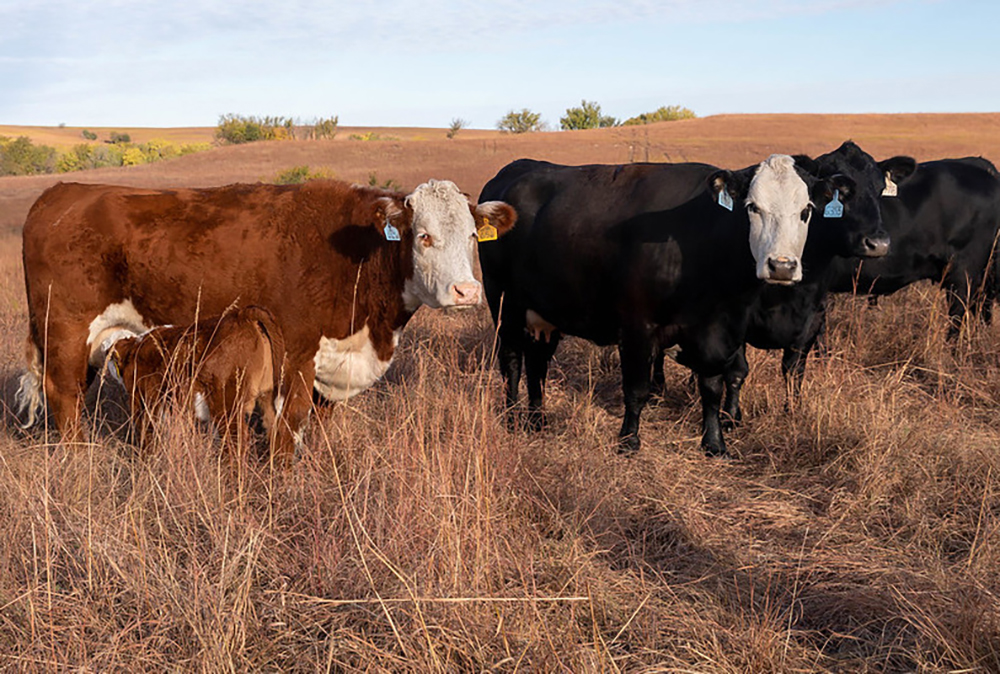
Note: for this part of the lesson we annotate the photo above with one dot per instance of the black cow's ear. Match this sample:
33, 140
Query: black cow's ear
807, 164
844, 185
734, 183
898, 169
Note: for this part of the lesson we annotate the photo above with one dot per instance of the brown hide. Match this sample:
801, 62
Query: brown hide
313, 255
234, 363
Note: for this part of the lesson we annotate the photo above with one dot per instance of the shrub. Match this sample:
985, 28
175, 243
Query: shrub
301, 174
21, 157
325, 128
237, 129
389, 184
587, 116
524, 121
89, 135
370, 135
667, 113
456, 126
116, 138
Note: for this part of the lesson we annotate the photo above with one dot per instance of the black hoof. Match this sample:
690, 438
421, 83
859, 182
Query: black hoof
718, 451
730, 423
535, 421
628, 444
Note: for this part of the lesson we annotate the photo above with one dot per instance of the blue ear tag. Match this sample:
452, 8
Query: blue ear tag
391, 233
725, 200
834, 209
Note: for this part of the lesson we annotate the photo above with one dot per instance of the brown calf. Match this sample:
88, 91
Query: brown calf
226, 365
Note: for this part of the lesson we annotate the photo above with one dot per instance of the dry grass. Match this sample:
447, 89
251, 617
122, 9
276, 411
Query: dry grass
859, 531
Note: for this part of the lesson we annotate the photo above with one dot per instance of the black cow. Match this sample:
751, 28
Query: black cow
588, 259
792, 318
944, 226
943, 220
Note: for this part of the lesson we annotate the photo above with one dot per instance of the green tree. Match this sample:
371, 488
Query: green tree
524, 121
587, 116
21, 157
667, 113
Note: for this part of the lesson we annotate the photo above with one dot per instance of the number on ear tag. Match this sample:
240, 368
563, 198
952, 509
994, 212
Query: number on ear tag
487, 232
891, 189
834, 209
725, 200
391, 233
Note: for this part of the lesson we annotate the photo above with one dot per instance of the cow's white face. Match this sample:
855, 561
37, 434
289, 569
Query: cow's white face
444, 241
779, 207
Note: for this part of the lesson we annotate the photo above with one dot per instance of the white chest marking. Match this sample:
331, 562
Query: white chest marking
346, 367
116, 321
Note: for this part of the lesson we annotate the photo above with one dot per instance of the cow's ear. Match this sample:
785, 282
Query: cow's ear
379, 212
498, 215
898, 169
734, 183
845, 186
807, 164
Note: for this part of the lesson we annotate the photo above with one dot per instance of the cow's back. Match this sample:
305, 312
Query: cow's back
561, 260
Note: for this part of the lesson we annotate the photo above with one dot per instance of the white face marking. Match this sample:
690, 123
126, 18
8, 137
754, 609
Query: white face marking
441, 212
775, 203
346, 367
117, 321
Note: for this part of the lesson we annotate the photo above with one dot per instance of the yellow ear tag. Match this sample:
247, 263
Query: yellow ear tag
487, 232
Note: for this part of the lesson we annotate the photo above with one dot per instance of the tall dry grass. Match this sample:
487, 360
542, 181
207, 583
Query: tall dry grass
856, 532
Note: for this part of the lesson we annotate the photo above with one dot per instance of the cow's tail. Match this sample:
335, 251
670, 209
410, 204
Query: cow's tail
30, 398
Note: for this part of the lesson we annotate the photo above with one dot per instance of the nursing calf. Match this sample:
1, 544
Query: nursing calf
225, 367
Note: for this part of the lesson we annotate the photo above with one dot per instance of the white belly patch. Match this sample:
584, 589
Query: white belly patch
117, 321
346, 367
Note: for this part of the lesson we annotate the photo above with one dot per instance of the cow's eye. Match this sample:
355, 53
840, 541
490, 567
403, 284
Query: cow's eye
752, 207
426, 239
805, 213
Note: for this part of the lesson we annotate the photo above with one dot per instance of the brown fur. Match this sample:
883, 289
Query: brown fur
299, 251
234, 362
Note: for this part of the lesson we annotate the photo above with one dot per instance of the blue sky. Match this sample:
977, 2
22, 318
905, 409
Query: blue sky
426, 62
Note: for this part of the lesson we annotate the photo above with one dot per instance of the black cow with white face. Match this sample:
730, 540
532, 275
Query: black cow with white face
641, 256
943, 217
792, 318
943, 225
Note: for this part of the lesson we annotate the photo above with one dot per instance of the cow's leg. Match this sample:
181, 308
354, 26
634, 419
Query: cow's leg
510, 352
793, 369
290, 425
736, 373
960, 299
636, 352
65, 367
658, 382
711, 389
537, 354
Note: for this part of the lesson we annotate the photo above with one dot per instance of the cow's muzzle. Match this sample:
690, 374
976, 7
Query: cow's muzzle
781, 269
466, 294
875, 246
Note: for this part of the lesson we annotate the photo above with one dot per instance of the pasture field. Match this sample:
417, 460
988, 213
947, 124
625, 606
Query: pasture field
855, 531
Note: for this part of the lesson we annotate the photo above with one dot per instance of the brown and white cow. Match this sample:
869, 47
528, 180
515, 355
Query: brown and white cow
223, 366
322, 257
